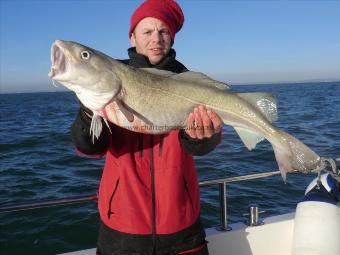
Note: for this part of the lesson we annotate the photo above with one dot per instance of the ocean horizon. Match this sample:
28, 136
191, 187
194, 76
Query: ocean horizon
61, 88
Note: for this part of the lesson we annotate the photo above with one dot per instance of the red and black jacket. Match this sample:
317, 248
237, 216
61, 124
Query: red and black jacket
148, 194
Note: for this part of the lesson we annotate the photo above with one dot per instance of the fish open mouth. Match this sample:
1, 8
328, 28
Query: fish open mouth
58, 61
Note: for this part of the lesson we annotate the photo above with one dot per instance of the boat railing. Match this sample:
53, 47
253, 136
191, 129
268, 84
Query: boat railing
222, 184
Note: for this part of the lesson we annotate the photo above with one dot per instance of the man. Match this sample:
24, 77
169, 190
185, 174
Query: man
149, 195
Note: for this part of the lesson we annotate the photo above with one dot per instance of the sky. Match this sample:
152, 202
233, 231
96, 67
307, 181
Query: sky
238, 42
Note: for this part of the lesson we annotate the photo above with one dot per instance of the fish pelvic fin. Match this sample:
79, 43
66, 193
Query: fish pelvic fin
292, 155
107, 124
96, 126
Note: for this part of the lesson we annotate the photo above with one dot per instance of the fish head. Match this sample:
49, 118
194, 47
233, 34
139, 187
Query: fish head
85, 71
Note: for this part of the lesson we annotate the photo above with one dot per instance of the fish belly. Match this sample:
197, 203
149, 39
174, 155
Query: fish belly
143, 124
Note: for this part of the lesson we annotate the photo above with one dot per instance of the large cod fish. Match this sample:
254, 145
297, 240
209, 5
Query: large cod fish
155, 101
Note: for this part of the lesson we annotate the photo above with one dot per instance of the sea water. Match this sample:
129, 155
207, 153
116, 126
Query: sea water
38, 162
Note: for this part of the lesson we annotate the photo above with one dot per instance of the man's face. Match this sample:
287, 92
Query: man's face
151, 38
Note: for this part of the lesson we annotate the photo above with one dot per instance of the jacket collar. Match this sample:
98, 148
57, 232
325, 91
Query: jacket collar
140, 61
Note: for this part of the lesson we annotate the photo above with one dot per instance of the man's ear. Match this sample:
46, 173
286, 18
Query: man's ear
133, 40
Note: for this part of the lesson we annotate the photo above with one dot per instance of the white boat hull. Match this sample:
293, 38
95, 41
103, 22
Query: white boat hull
272, 238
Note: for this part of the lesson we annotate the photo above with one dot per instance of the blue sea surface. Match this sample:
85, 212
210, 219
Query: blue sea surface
38, 162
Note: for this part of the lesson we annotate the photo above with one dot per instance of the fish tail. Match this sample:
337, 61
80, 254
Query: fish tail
291, 154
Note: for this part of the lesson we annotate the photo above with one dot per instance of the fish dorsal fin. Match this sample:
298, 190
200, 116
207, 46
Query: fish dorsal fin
265, 102
201, 78
156, 71
189, 76
249, 138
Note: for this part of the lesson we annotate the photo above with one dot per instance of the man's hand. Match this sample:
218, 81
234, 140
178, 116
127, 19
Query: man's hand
203, 123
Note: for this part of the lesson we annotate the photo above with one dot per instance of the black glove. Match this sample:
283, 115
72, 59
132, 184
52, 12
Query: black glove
198, 147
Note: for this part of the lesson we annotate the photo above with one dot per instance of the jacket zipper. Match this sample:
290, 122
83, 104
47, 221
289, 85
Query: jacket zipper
140, 145
188, 193
109, 212
160, 149
153, 195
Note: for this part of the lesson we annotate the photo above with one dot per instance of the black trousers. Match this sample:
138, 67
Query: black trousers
204, 251
112, 242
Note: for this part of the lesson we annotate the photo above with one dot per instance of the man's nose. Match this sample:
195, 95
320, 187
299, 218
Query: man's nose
157, 36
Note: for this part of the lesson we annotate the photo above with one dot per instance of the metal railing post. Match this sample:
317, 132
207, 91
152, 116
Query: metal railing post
223, 206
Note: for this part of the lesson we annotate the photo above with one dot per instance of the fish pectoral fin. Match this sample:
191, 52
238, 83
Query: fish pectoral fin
131, 114
265, 102
248, 137
128, 115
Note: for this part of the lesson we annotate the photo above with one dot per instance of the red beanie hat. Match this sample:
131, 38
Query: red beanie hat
168, 11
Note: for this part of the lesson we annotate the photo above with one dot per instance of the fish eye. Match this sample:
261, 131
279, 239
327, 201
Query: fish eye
85, 55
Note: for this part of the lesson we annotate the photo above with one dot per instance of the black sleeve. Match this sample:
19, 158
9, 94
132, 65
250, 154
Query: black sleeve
81, 138
198, 147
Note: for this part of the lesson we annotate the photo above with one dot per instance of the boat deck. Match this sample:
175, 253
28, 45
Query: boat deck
272, 238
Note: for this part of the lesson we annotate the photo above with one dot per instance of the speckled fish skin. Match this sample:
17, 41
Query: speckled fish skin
155, 101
